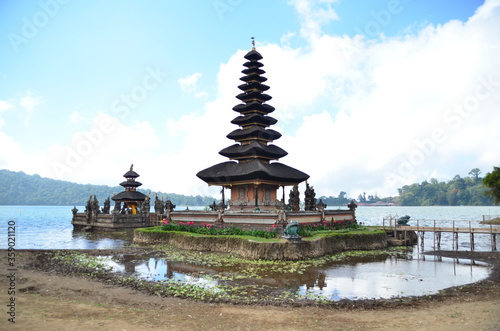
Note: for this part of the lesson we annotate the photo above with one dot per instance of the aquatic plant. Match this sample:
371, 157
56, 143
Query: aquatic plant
93, 265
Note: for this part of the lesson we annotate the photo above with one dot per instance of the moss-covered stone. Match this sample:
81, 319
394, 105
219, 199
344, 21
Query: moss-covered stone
275, 249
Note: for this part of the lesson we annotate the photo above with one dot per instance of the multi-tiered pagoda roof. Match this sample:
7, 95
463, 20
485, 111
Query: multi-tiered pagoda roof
253, 156
130, 185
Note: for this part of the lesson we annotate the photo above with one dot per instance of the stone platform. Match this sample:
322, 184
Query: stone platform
252, 219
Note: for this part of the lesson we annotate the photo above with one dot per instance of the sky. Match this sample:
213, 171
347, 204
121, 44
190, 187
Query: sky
369, 95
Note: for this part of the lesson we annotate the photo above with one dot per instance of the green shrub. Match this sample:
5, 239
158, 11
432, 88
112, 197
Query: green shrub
214, 230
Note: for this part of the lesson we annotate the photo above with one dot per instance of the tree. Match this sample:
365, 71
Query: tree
492, 181
475, 173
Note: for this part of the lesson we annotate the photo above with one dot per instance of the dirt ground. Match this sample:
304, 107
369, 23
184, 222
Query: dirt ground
47, 300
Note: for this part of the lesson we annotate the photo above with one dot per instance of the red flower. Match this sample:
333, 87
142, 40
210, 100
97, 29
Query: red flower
274, 225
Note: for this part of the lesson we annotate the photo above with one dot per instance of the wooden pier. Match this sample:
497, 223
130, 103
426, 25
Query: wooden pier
437, 230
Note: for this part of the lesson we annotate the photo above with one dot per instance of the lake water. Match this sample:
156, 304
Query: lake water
46, 227
49, 227
356, 277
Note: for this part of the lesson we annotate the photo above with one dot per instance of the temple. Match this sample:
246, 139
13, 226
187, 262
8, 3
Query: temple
134, 213
253, 174
130, 197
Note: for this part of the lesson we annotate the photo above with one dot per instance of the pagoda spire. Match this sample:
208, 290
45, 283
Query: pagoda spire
253, 157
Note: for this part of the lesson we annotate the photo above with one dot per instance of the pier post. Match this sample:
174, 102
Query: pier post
437, 239
455, 241
472, 241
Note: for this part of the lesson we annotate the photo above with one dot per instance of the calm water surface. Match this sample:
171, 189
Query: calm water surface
372, 277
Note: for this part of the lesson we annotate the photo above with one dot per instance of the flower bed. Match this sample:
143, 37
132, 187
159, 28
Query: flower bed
305, 229
211, 229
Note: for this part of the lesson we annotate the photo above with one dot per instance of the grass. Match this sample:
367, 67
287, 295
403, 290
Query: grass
316, 235
158, 229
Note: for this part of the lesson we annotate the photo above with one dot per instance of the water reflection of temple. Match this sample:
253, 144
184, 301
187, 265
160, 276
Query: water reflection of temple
253, 174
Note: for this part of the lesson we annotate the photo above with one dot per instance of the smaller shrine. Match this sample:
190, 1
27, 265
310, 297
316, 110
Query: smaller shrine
131, 210
130, 198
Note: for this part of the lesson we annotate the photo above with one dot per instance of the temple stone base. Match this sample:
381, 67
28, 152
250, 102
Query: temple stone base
110, 222
251, 219
281, 250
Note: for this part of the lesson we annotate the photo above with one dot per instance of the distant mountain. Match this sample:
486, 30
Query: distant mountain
18, 188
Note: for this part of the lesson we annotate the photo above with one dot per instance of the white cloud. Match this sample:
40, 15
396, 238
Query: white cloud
29, 101
15, 158
190, 84
314, 14
380, 110
75, 117
371, 120
5, 105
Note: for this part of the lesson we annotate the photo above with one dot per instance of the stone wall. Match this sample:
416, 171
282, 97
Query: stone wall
282, 250
256, 220
110, 222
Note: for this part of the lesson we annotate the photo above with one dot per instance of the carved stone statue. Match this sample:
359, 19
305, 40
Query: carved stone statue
118, 207
352, 206
146, 205
106, 206
292, 231
95, 207
169, 206
294, 200
88, 209
310, 198
321, 206
159, 206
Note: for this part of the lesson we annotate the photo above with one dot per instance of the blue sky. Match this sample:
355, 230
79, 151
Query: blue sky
370, 95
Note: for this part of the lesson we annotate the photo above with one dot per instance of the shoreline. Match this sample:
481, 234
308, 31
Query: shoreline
70, 298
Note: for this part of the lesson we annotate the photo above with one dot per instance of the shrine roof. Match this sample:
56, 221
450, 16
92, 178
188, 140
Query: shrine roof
257, 119
254, 132
129, 196
254, 171
253, 149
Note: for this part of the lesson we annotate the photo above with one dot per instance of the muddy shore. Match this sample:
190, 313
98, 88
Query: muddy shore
49, 297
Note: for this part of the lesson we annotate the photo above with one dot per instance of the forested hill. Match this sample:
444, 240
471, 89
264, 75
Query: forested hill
466, 191
18, 188
460, 191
